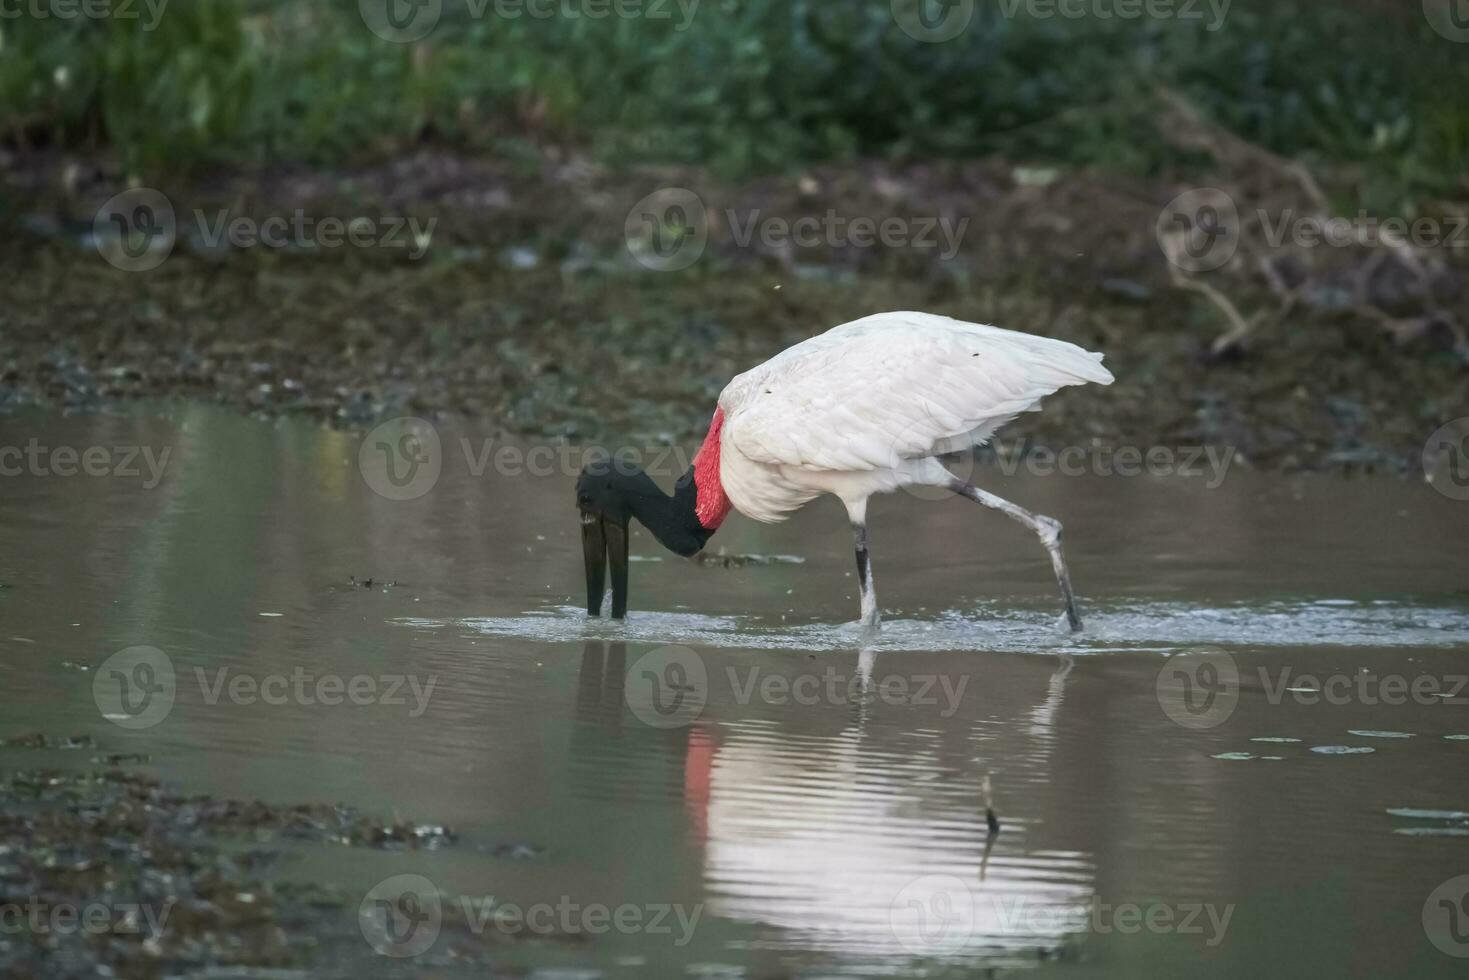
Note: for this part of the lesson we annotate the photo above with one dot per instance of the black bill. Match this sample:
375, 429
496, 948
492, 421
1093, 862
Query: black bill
604, 542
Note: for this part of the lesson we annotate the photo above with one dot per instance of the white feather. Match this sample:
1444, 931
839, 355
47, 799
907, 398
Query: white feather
864, 407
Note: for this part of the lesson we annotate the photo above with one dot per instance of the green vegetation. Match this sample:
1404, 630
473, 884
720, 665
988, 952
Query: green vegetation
748, 86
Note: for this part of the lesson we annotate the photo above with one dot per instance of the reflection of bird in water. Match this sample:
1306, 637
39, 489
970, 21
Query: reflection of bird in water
1043, 715
822, 837
611, 760
819, 834
866, 662
599, 684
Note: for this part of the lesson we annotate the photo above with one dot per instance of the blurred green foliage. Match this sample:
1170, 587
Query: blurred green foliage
745, 85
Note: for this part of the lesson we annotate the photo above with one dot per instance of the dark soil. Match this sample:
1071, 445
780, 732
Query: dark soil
529, 310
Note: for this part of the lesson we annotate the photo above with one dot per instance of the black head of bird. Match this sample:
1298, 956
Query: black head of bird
610, 493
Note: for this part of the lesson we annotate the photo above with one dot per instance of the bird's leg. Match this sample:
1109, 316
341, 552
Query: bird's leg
870, 616
1048, 529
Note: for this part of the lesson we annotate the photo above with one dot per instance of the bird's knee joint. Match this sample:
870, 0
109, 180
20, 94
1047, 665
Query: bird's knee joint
1050, 530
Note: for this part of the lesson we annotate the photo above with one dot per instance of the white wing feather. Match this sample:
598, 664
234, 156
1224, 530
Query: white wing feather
896, 386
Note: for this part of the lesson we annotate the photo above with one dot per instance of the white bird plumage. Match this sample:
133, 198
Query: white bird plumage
865, 407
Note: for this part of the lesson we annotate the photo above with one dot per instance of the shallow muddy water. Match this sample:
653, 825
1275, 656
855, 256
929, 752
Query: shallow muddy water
1251, 763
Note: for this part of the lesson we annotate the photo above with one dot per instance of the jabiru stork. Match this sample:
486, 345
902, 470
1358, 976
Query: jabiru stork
861, 409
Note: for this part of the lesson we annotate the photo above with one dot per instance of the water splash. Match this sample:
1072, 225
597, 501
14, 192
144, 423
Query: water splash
1160, 627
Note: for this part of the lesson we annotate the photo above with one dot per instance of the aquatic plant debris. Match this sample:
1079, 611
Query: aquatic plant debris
1342, 749
722, 560
1417, 814
37, 740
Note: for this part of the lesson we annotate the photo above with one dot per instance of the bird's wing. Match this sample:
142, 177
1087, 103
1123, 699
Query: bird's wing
895, 386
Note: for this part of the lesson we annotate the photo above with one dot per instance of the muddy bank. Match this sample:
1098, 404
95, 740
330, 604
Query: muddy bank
105, 870
525, 305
